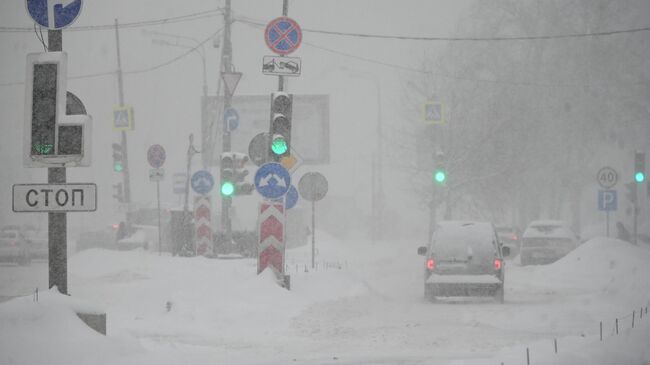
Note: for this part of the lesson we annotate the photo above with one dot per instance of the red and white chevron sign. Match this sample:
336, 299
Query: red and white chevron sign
271, 237
202, 223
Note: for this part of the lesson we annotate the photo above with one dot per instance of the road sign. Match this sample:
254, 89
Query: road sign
55, 197
202, 223
156, 156
271, 242
281, 66
313, 186
258, 149
202, 182
433, 113
283, 35
156, 174
179, 182
607, 200
123, 118
231, 119
47, 14
272, 180
607, 177
230, 80
291, 199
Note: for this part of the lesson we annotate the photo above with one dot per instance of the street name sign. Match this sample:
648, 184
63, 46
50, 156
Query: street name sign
61, 198
53, 14
281, 66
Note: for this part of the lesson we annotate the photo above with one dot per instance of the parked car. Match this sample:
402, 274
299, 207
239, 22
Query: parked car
37, 242
13, 247
510, 237
546, 241
464, 259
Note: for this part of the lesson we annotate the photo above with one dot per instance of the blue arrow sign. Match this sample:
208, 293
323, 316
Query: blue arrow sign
54, 14
231, 119
202, 182
291, 198
272, 180
607, 200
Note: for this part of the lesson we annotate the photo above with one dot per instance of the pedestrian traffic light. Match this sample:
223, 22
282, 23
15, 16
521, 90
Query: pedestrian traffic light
119, 192
639, 167
118, 157
280, 130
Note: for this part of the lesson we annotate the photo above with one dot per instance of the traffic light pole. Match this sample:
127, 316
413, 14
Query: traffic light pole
226, 62
125, 158
57, 223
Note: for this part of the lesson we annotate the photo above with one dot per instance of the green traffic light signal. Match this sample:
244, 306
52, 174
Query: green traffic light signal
279, 146
639, 177
118, 167
227, 188
440, 176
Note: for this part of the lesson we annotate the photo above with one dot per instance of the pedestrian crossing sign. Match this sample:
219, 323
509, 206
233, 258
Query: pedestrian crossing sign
123, 118
433, 112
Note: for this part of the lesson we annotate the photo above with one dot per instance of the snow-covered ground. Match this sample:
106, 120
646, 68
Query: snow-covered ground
363, 305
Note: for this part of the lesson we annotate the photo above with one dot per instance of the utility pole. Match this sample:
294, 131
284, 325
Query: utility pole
57, 223
125, 171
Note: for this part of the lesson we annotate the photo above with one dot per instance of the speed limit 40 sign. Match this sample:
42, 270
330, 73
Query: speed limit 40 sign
607, 177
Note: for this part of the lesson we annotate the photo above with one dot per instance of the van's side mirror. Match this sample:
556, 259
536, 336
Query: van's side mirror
422, 251
505, 251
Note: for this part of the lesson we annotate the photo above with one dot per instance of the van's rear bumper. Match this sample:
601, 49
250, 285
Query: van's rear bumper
462, 285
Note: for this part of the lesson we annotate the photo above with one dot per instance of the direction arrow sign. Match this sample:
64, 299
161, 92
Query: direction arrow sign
54, 14
202, 182
231, 119
283, 35
202, 221
272, 180
54, 198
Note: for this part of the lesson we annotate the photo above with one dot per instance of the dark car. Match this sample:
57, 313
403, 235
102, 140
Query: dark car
546, 241
464, 259
510, 237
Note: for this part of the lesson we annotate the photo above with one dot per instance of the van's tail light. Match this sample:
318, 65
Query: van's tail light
498, 264
431, 264
514, 237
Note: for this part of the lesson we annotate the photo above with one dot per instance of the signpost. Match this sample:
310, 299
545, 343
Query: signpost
281, 66
156, 157
607, 178
202, 219
47, 14
283, 35
272, 180
313, 186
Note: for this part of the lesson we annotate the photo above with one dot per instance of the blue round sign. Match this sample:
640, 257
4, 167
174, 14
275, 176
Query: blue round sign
272, 180
202, 182
283, 35
47, 14
231, 119
291, 198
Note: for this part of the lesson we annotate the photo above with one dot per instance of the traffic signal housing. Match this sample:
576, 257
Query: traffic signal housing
233, 175
630, 192
227, 187
119, 192
639, 167
118, 157
280, 129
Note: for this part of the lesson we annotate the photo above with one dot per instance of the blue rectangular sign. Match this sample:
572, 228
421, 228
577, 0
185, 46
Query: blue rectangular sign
607, 200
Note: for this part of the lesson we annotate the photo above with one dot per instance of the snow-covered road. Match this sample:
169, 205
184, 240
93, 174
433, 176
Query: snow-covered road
364, 305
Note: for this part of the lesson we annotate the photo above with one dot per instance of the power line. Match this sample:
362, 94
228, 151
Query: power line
144, 23
131, 72
458, 39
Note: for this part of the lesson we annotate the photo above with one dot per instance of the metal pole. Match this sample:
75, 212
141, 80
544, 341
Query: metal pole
636, 214
380, 183
57, 223
285, 12
158, 198
125, 171
226, 62
186, 216
607, 222
313, 233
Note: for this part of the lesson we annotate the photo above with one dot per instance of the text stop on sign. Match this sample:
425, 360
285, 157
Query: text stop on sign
54, 198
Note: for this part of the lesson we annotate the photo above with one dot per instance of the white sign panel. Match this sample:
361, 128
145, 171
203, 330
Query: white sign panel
281, 66
156, 174
54, 197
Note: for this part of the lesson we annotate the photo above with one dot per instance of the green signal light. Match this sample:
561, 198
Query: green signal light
118, 167
440, 176
43, 149
227, 188
279, 146
639, 177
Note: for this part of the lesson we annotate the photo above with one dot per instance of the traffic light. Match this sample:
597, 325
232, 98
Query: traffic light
227, 175
118, 157
240, 173
119, 192
639, 167
630, 192
440, 176
44, 108
280, 130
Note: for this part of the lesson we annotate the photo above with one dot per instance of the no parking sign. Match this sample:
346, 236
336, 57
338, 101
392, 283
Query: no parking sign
283, 35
